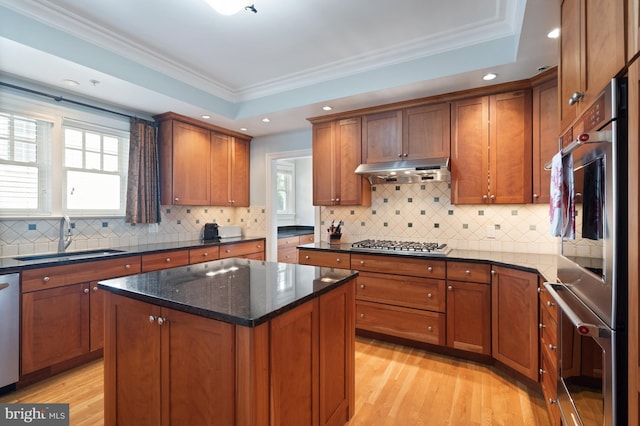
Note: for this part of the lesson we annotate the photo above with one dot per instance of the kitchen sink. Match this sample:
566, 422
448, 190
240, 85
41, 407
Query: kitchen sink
69, 255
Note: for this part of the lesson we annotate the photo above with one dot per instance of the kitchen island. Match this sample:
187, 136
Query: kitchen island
232, 341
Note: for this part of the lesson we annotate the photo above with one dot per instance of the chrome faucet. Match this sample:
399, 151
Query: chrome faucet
65, 234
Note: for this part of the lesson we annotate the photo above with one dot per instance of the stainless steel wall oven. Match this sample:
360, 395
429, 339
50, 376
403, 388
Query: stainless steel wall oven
592, 288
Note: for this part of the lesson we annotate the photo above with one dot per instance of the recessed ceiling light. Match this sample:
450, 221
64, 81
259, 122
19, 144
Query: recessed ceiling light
243, 129
555, 33
69, 82
205, 116
489, 76
327, 108
266, 120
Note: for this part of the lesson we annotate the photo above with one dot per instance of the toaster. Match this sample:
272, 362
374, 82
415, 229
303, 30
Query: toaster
210, 232
230, 231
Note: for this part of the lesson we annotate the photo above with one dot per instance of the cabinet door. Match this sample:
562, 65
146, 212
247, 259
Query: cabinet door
515, 320
191, 168
545, 137
570, 58
351, 188
510, 148
469, 317
633, 28
55, 326
96, 317
132, 376
469, 151
382, 137
427, 131
220, 173
293, 349
323, 164
239, 169
210, 355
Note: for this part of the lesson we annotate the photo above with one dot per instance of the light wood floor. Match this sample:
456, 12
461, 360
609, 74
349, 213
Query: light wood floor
395, 385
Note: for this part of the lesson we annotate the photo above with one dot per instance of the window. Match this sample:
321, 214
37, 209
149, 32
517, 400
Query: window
285, 188
95, 169
23, 164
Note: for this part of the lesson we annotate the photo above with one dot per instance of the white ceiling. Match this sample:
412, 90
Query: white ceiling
284, 62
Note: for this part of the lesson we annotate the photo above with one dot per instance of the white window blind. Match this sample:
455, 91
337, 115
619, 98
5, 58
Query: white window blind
285, 188
24, 160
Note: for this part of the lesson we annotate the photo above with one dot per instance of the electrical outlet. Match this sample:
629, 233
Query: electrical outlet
491, 231
153, 228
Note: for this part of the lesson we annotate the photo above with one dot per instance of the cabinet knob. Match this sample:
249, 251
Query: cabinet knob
362, 262
205, 254
228, 250
46, 279
541, 371
160, 320
429, 295
361, 285
95, 288
541, 326
176, 199
337, 200
338, 260
552, 347
361, 315
306, 257
400, 155
259, 246
576, 97
493, 197
405, 155
85, 291
552, 401
168, 259
493, 272
430, 328
540, 290
550, 304
449, 288
152, 318
467, 272
430, 268
484, 197
127, 266
536, 196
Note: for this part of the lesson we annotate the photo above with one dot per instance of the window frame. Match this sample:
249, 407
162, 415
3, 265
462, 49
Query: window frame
288, 168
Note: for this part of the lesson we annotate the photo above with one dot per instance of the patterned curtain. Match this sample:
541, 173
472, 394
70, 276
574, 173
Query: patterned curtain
143, 190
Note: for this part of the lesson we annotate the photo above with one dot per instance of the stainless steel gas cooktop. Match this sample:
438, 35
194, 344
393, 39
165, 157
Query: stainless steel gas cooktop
401, 247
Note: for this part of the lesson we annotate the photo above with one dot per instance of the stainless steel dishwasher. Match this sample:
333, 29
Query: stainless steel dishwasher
9, 328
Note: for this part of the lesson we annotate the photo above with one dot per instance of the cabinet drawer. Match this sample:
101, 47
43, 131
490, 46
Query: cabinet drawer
548, 327
204, 254
548, 303
241, 249
469, 272
420, 293
164, 260
288, 242
416, 267
306, 239
548, 377
413, 324
288, 254
56, 276
329, 259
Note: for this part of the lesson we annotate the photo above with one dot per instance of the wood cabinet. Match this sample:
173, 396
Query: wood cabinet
62, 311
592, 51
229, 171
491, 149
409, 134
469, 307
164, 260
514, 306
545, 135
288, 247
336, 149
185, 170
154, 379
633, 29
326, 258
204, 254
548, 333
246, 249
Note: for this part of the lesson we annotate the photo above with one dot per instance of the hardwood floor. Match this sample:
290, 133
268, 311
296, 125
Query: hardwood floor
395, 385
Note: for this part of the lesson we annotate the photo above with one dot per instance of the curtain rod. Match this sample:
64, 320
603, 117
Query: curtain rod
61, 99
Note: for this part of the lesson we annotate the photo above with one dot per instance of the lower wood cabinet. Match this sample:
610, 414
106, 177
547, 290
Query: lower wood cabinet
469, 316
326, 258
164, 260
549, 364
246, 249
514, 305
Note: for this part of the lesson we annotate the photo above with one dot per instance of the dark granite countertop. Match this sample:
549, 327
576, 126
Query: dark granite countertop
543, 264
294, 230
238, 291
11, 264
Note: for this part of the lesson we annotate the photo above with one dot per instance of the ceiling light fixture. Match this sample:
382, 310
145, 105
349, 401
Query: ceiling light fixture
489, 76
205, 116
555, 33
243, 129
230, 7
266, 120
327, 108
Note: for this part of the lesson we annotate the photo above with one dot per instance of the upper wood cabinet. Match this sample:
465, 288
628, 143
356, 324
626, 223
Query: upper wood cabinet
592, 52
336, 154
545, 136
185, 172
229, 171
202, 165
491, 149
409, 134
633, 28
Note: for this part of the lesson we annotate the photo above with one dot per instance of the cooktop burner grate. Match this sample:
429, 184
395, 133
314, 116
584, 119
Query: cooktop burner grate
408, 247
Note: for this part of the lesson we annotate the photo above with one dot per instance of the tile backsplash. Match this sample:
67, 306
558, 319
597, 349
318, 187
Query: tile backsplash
30, 235
423, 212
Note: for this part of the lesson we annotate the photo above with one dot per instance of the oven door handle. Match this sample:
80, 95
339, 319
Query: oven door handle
586, 327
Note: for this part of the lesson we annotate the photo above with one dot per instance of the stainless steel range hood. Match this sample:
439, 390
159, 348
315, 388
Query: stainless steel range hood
407, 171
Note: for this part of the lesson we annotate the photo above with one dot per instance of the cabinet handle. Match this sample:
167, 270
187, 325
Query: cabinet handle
362, 262
259, 246
539, 290
338, 260
85, 291
337, 200
449, 288
127, 266
405, 155
46, 279
493, 272
176, 199
160, 320
430, 328
306, 257
552, 401
95, 288
362, 286
429, 295
152, 318
228, 250
361, 315
168, 259
536, 196
576, 97
484, 197
541, 371
493, 197
468, 272
552, 347
550, 304
430, 268
541, 326
400, 155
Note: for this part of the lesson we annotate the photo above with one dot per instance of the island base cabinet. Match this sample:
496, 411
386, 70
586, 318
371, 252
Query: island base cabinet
156, 362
